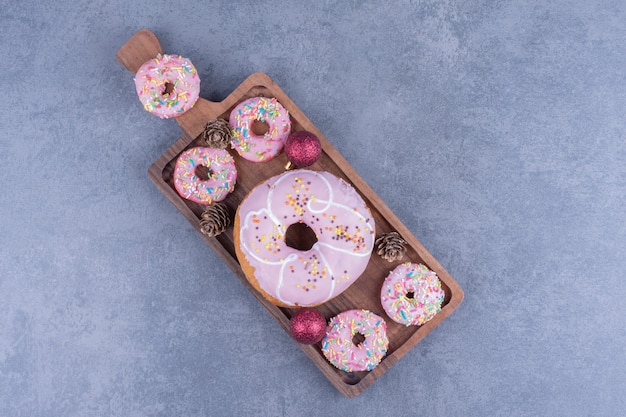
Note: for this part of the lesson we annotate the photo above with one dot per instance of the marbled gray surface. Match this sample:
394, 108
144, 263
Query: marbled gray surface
494, 130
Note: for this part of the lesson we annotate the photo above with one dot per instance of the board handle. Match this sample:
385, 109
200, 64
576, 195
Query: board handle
141, 47
144, 46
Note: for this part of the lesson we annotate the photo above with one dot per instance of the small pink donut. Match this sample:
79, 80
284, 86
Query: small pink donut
411, 294
340, 349
222, 175
163, 73
254, 147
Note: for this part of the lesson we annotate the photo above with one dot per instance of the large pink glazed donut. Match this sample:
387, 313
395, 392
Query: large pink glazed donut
339, 346
167, 85
411, 294
259, 148
332, 209
221, 180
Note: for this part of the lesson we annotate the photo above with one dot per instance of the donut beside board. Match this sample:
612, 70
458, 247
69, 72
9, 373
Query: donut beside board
167, 85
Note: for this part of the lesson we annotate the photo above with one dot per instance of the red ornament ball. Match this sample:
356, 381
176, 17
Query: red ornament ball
303, 148
308, 326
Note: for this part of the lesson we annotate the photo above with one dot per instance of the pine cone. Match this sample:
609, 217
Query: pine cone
391, 246
214, 220
217, 134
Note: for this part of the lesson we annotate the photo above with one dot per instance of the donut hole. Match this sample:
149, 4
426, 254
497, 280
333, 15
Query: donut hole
259, 127
167, 89
203, 172
358, 338
410, 295
300, 236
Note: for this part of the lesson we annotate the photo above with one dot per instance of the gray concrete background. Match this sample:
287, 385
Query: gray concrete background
494, 130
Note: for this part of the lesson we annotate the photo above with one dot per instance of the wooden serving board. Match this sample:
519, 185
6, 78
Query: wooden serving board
365, 292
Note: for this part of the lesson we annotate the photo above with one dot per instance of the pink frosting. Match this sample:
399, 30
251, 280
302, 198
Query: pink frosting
222, 179
426, 294
254, 147
338, 345
336, 213
151, 81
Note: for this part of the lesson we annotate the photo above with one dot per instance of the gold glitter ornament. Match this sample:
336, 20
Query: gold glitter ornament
214, 220
390, 246
217, 134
